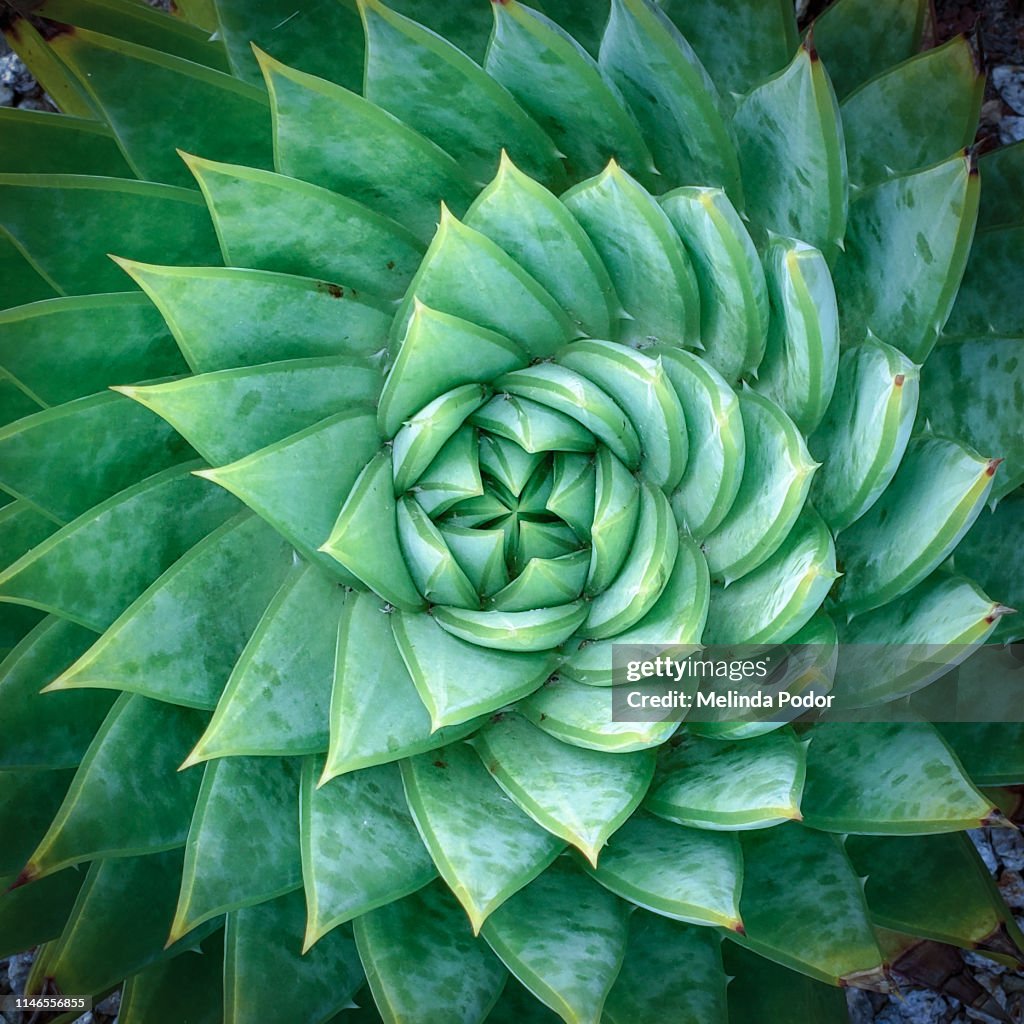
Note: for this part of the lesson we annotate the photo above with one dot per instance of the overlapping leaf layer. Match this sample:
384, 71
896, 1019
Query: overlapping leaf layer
459, 345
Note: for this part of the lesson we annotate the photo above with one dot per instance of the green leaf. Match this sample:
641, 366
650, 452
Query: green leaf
67, 348
676, 618
51, 731
990, 752
333, 137
536, 230
376, 714
291, 651
907, 891
127, 797
889, 133
801, 359
21, 281
935, 496
272, 222
561, 86
777, 474
517, 1004
752, 784
564, 937
120, 77
865, 431
360, 848
985, 302
671, 969
408, 67
857, 39
803, 907
467, 275
573, 487
733, 294
583, 796
1001, 202
127, 444
617, 506
424, 434
286, 483
28, 802
742, 42
22, 527
459, 680
322, 38
436, 573
119, 923
759, 987
887, 778
223, 317
906, 248
247, 813
644, 574
992, 372
453, 476
37, 142
46, 67
644, 391
65, 224
422, 961
535, 427
990, 554
790, 141
230, 413
153, 649
581, 715
484, 846
120, 547
33, 914
684, 873
365, 536
905, 645
533, 631
714, 430
574, 395
262, 945
778, 598
545, 582
509, 465
644, 255
136, 24
438, 353
190, 984
670, 94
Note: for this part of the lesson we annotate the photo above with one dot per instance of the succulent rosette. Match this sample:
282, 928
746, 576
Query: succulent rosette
459, 344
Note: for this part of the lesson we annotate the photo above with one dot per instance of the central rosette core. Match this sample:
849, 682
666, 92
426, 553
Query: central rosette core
531, 503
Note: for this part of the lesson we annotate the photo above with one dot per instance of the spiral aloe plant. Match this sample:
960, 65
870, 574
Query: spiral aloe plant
492, 337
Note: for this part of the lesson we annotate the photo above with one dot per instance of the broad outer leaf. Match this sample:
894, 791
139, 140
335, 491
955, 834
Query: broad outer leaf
424, 963
484, 846
564, 937
246, 814
581, 795
887, 778
803, 907
360, 847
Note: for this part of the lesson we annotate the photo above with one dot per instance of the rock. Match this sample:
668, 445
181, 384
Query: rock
1008, 846
860, 1007
15, 75
1008, 80
981, 840
6, 96
17, 971
917, 1008
1011, 129
1011, 885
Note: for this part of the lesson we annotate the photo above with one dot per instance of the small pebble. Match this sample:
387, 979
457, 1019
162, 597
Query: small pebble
1011, 130
1009, 82
1008, 846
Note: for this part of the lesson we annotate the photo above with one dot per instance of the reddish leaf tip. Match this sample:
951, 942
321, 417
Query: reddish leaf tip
993, 465
899, 379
